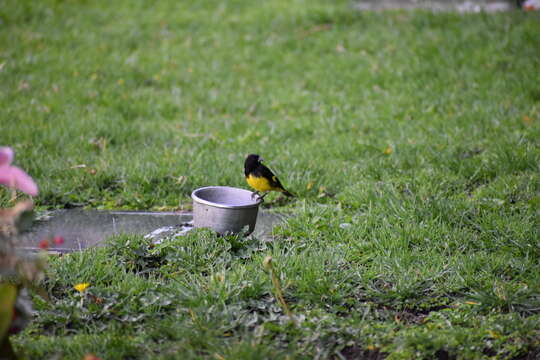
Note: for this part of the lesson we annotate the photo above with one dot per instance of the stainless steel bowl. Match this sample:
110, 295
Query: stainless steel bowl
225, 209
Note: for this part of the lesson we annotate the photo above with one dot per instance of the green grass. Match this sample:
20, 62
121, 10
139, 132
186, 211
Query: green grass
428, 250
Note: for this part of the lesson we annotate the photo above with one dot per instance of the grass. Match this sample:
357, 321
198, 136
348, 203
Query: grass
410, 138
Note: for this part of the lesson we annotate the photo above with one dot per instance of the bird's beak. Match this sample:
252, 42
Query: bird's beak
260, 158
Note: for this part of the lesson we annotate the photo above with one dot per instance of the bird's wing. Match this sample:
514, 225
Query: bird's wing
267, 173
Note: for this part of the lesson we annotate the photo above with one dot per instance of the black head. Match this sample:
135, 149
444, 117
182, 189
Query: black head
251, 163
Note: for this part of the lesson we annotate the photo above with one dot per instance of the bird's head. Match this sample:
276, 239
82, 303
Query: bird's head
254, 158
252, 161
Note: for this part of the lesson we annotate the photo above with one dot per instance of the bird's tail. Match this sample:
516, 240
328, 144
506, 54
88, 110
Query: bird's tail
286, 193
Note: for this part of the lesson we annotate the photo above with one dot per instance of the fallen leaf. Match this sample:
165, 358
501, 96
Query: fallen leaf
315, 29
181, 179
91, 357
96, 299
23, 85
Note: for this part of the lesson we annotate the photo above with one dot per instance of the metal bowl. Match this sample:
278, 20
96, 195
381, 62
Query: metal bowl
225, 209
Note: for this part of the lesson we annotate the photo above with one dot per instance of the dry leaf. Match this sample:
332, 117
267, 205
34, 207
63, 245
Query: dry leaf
23, 85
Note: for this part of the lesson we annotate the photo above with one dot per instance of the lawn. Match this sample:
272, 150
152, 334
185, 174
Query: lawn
411, 140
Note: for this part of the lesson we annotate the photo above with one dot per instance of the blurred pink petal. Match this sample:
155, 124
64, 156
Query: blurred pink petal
5, 175
24, 182
12, 176
6, 155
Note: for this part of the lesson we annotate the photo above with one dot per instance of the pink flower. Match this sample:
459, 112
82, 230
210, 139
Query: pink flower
58, 240
14, 177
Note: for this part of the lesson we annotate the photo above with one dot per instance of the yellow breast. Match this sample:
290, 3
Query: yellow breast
259, 183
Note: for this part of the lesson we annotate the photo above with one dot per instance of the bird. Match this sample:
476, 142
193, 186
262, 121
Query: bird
261, 178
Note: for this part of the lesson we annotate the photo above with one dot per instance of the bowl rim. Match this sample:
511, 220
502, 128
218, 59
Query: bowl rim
199, 200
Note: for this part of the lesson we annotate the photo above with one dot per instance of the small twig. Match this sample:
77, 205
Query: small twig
13, 195
315, 29
277, 286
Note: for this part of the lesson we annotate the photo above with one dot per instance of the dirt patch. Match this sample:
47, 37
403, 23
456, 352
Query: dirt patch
532, 354
443, 355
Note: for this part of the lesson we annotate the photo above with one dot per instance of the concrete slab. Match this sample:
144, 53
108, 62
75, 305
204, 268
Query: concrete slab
438, 5
85, 228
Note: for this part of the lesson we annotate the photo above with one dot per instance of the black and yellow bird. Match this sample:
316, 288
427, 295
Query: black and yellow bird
260, 177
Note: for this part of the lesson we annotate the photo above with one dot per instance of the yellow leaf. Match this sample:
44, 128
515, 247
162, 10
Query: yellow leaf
471, 303
192, 314
309, 185
8, 295
267, 263
388, 150
81, 287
